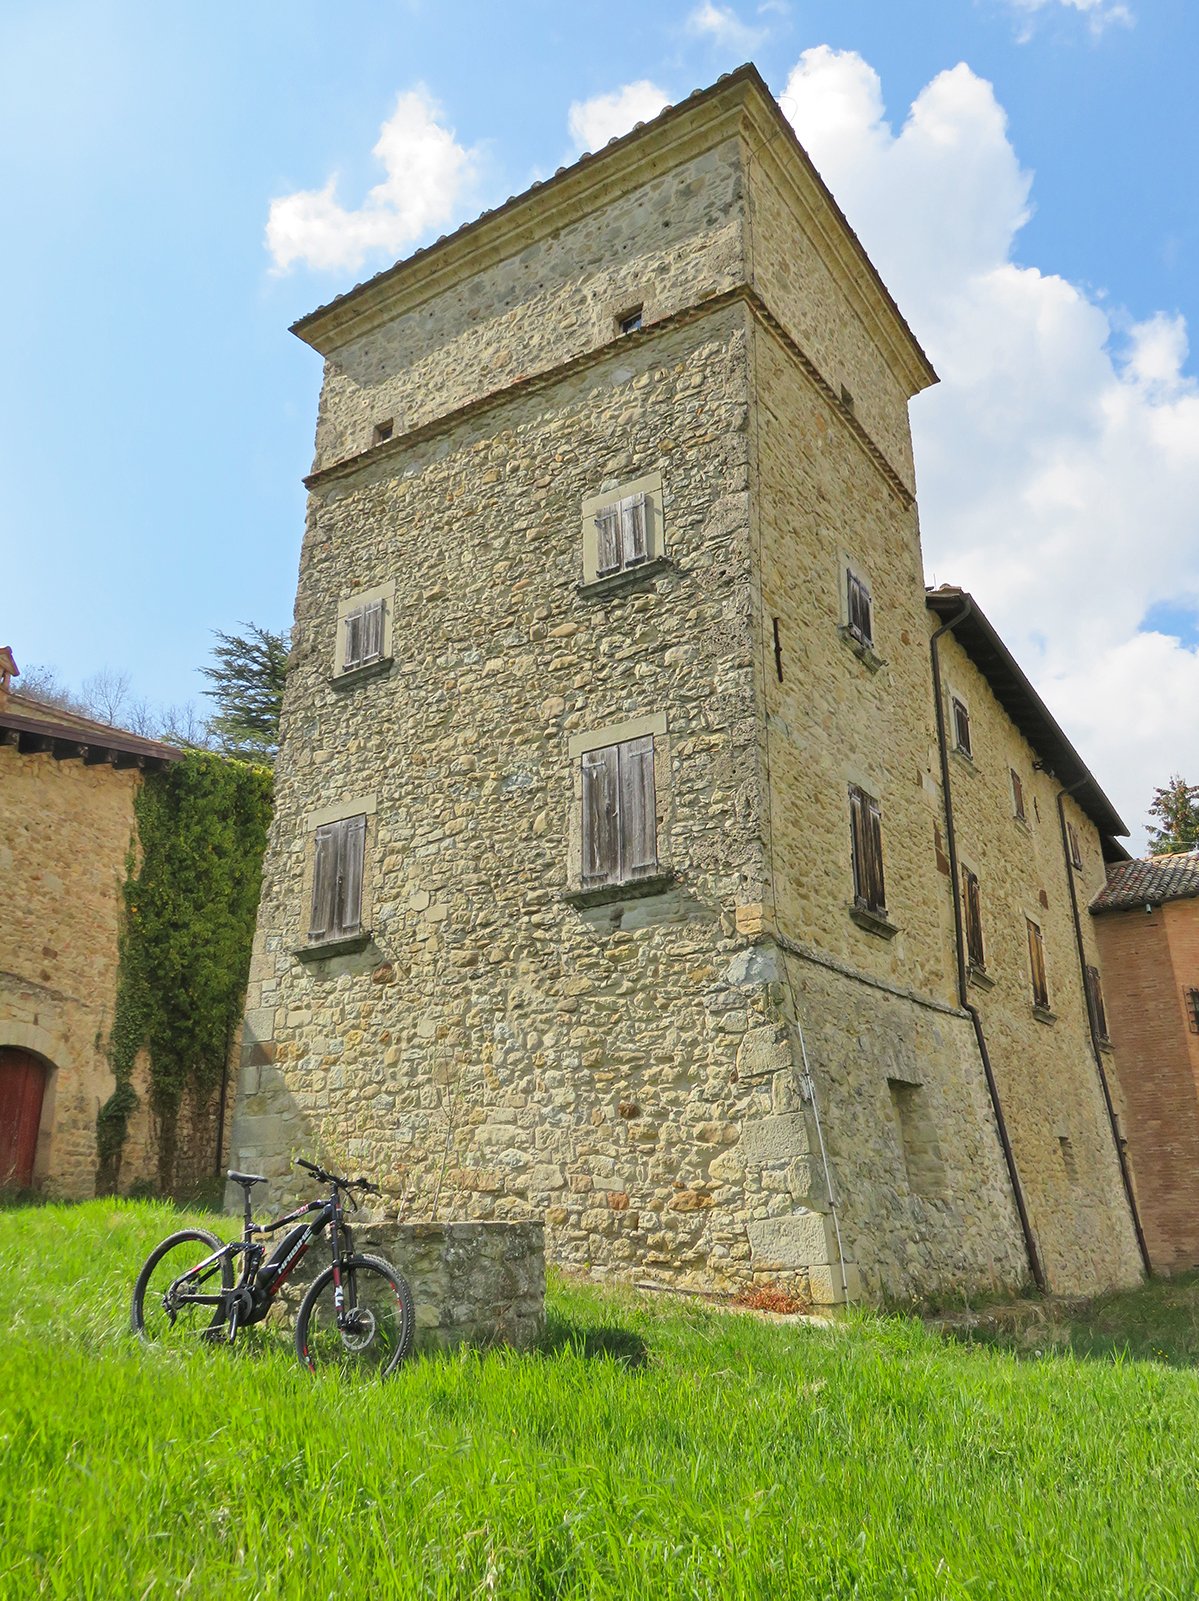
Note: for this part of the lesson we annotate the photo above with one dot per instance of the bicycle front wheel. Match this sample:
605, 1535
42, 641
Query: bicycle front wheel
164, 1311
377, 1325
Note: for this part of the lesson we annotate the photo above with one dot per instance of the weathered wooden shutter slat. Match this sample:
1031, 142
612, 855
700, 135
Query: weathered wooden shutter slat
353, 640
601, 833
372, 631
1095, 998
972, 898
633, 517
350, 853
638, 820
857, 837
1036, 962
858, 607
874, 855
324, 881
607, 541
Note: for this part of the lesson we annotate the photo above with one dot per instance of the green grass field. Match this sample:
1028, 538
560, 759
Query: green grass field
652, 1449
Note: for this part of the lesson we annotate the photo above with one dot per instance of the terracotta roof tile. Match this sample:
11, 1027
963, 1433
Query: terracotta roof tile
1148, 881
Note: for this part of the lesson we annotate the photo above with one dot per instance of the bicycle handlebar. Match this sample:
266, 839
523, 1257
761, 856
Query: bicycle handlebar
362, 1184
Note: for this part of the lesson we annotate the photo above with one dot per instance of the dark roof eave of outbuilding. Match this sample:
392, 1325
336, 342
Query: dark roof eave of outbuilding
79, 741
1025, 707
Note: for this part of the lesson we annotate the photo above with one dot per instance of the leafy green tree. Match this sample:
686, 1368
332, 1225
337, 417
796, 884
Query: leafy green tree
1177, 808
247, 679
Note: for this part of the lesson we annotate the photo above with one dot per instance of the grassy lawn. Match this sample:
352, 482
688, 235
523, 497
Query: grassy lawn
653, 1449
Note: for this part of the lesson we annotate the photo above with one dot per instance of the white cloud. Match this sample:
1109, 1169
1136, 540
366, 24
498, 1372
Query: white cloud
593, 122
427, 176
724, 27
1099, 13
1058, 460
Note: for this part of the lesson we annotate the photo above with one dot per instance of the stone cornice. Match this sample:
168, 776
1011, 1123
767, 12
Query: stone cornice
399, 444
738, 104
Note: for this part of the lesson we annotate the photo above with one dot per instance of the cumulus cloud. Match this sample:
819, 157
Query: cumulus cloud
593, 122
427, 175
1100, 14
722, 26
1058, 460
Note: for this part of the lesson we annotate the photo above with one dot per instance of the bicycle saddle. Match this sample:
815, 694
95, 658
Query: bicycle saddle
246, 1178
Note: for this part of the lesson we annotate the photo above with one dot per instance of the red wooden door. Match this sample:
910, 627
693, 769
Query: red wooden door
22, 1081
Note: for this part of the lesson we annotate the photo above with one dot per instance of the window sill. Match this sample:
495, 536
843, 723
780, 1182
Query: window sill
1105, 1045
360, 675
319, 950
874, 922
628, 578
980, 977
1043, 1014
964, 757
864, 652
632, 889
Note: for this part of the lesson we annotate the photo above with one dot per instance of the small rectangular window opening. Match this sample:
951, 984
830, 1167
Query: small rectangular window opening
631, 321
858, 609
976, 953
363, 637
778, 652
866, 842
1036, 965
383, 431
1017, 796
961, 726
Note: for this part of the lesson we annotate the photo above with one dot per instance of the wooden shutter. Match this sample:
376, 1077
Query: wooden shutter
860, 620
857, 840
324, 882
1036, 964
637, 818
1095, 997
976, 952
1017, 794
601, 829
633, 519
1075, 852
961, 727
607, 540
874, 855
352, 655
351, 842
372, 631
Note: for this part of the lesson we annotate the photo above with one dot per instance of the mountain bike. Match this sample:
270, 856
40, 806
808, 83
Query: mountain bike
357, 1313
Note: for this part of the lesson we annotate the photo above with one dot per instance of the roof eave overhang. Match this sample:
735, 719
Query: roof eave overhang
1024, 706
64, 742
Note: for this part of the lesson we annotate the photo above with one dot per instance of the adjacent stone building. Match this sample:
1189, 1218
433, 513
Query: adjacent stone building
67, 787
627, 868
1147, 932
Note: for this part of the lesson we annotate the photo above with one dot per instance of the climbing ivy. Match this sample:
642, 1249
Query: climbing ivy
190, 898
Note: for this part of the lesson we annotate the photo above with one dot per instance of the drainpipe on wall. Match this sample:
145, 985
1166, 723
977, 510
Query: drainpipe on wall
1030, 1244
1096, 1048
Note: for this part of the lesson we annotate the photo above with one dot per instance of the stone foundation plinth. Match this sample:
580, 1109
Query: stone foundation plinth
472, 1283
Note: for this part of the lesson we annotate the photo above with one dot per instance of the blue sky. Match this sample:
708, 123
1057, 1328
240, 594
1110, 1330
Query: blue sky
1033, 211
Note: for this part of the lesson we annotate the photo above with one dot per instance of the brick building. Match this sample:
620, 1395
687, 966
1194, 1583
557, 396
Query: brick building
1147, 927
627, 867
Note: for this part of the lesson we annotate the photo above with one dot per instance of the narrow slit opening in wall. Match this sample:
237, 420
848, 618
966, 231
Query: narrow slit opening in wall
918, 1139
383, 431
630, 321
778, 651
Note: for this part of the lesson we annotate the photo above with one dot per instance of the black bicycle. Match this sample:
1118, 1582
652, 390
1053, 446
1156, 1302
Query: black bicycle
356, 1314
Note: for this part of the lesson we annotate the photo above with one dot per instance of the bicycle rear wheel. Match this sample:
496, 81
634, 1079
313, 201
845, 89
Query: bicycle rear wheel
161, 1313
378, 1323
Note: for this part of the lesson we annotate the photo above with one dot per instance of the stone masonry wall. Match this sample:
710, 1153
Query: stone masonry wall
1044, 1065
64, 833
1150, 960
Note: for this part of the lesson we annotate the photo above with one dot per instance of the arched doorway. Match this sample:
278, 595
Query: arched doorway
22, 1085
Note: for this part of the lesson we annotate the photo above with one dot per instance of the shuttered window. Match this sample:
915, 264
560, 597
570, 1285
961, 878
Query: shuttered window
972, 911
337, 879
620, 834
1017, 795
1036, 965
858, 609
363, 635
866, 837
1095, 998
1191, 996
961, 726
620, 535
1075, 851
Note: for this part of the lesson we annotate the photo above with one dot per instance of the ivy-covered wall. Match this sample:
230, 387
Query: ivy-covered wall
190, 897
